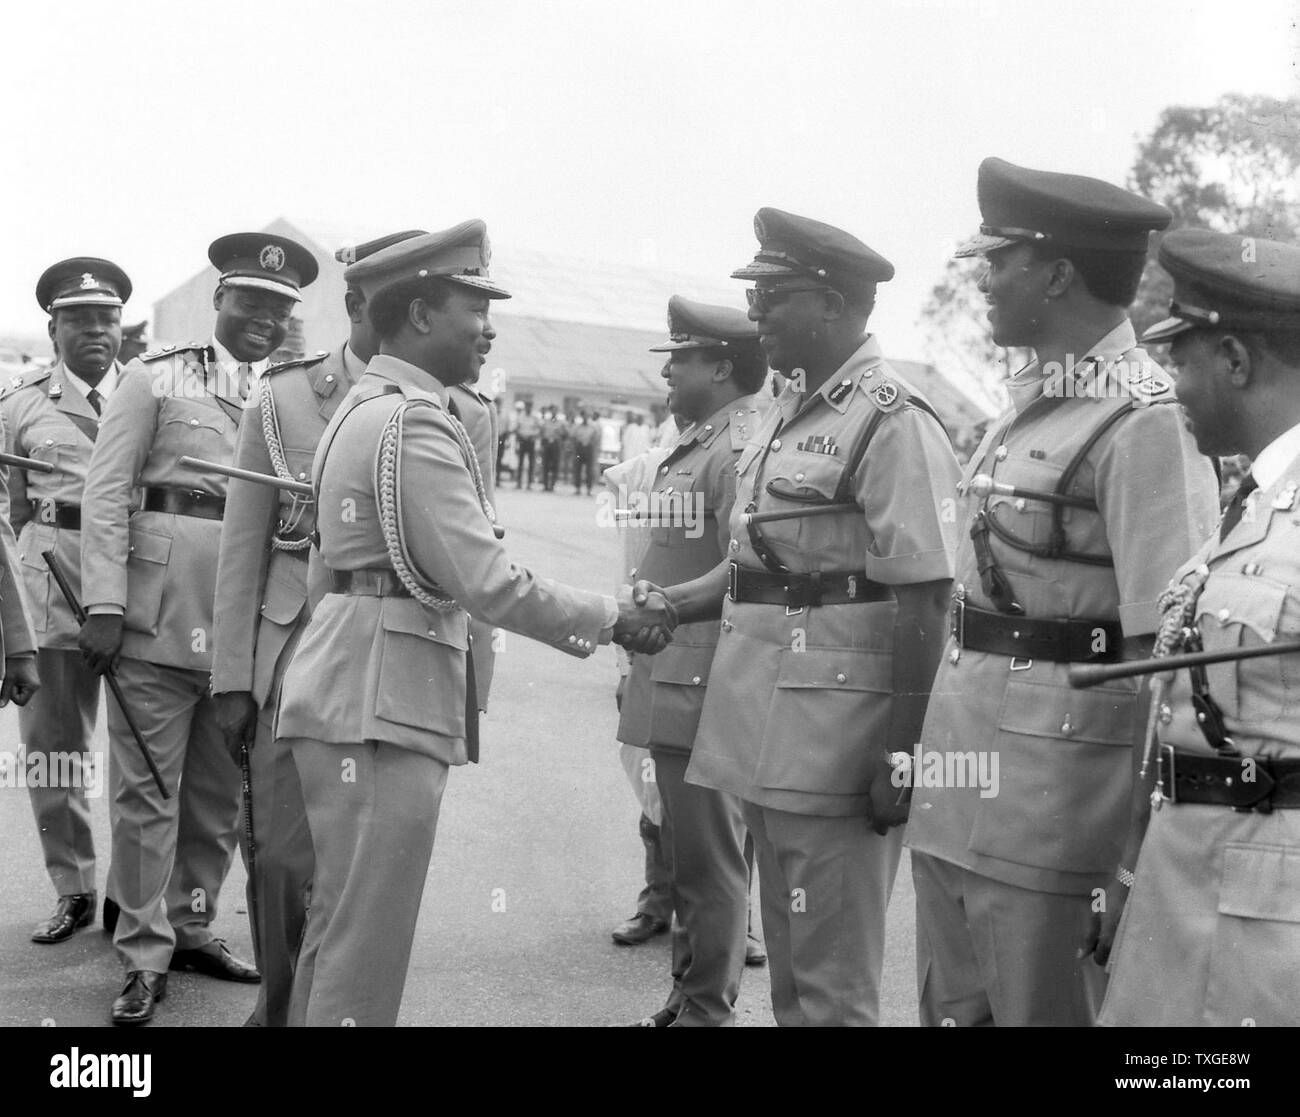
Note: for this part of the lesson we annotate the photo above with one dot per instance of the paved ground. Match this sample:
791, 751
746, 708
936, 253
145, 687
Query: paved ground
546, 823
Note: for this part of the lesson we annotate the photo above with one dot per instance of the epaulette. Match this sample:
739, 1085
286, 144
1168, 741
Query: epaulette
25, 380
885, 394
297, 362
170, 351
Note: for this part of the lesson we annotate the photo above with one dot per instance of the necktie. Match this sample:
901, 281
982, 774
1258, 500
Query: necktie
245, 379
1232, 514
96, 401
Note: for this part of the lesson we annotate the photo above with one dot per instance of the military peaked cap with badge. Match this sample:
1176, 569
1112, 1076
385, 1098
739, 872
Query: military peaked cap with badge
694, 325
1019, 205
264, 262
1228, 281
352, 253
793, 247
82, 281
458, 255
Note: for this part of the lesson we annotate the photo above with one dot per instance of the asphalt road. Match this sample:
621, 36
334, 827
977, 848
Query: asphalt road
537, 857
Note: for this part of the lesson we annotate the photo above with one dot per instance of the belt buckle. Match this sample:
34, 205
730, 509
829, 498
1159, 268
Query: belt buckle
733, 577
1021, 663
1165, 763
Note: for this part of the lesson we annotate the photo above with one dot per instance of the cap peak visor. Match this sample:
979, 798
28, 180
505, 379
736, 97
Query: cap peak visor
1166, 329
478, 283
257, 283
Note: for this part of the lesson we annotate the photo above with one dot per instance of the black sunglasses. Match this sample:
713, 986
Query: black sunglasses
766, 298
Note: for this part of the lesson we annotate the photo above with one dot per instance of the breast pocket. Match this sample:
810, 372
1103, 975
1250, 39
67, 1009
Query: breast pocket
676, 507
422, 670
52, 442
1243, 611
804, 481
146, 572
189, 427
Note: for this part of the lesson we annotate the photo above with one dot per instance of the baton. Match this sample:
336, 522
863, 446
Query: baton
300, 488
26, 463
748, 518
246, 785
65, 588
1090, 674
982, 485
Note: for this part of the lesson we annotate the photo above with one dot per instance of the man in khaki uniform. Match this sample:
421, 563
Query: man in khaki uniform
260, 611
1022, 784
1211, 932
52, 415
829, 622
17, 641
149, 575
715, 367
374, 703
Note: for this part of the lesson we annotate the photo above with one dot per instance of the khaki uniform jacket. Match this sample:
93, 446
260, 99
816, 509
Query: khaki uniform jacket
1057, 819
479, 417
161, 568
796, 699
388, 668
261, 599
48, 419
16, 636
693, 489
1211, 932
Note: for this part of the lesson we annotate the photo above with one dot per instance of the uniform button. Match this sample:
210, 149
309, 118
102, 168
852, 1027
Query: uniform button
1066, 728
1166, 714
727, 626
776, 446
663, 469
708, 427
302, 477
798, 476
49, 442
1019, 504
696, 680
1001, 453
1224, 614
668, 490
572, 638
841, 678
194, 422
329, 379
954, 656
734, 545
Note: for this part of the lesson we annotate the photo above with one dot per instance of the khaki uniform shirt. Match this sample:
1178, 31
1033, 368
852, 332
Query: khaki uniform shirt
694, 489
16, 636
1057, 819
1211, 932
795, 698
47, 418
261, 600
160, 568
388, 668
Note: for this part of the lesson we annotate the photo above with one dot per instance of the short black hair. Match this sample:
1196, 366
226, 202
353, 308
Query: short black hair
859, 298
387, 308
748, 363
1112, 277
1284, 345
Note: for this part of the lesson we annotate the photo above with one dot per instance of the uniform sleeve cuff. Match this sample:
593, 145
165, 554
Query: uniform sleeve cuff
105, 611
905, 570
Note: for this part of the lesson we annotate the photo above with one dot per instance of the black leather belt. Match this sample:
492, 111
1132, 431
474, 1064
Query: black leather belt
1060, 641
1189, 777
794, 591
368, 583
184, 502
64, 515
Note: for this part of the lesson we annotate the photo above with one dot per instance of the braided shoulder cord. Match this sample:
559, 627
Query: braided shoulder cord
1177, 606
471, 459
271, 434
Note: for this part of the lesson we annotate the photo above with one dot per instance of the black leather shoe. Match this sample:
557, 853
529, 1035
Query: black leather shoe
143, 990
660, 1019
640, 928
72, 913
111, 912
755, 954
215, 960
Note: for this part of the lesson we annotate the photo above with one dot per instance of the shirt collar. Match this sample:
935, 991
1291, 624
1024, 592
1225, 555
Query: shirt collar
1271, 462
104, 387
851, 372
353, 365
406, 376
227, 360
1027, 385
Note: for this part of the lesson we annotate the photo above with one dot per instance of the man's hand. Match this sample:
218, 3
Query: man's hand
101, 642
646, 619
20, 682
1103, 925
237, 716
890, 791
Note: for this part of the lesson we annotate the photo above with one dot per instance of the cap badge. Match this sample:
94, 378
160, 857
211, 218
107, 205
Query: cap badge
885, 394
271, 257
87, 281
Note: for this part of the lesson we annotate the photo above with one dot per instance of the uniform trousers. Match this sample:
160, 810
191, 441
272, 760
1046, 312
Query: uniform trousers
58, 723
824, 883
989, 953
285, 864
525, 448
656, 898
703, 838
550, 464
169, 856
373, 810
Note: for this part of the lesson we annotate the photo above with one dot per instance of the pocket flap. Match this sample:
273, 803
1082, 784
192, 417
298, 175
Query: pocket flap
412, 620
1101, 716
684, 664
149, 546
1260, 882
283, 600
836, 669
1246, 600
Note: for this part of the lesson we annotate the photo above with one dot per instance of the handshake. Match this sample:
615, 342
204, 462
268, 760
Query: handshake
646, 619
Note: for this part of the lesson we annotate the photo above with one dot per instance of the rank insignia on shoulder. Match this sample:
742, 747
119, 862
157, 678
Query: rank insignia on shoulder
842, 389
886, 396
1148, 383
1285, 500
56, 390
16, 381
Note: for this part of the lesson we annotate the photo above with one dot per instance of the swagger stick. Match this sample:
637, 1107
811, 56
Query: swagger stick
1084, 675
69, 595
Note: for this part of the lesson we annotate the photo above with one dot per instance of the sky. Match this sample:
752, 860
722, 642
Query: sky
614, 131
